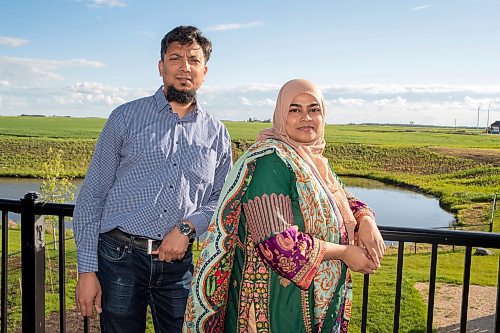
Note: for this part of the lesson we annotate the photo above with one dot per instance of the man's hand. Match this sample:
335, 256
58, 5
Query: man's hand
88, 294
370, 239
173, 246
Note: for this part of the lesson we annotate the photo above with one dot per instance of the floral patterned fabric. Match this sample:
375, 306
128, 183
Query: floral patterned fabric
294, 255
260, 272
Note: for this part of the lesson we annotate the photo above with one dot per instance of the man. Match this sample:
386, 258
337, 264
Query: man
152, 186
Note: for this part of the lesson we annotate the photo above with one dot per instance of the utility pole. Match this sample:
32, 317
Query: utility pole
488, 118
455, 124
477, 125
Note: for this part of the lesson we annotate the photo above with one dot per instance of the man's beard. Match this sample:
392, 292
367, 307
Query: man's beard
179, 96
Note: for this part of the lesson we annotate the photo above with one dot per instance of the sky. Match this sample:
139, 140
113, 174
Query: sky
400, 61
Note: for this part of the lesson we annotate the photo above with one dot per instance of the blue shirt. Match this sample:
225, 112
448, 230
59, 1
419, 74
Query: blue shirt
149, 171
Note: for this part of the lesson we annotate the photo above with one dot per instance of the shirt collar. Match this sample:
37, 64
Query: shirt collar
163, 105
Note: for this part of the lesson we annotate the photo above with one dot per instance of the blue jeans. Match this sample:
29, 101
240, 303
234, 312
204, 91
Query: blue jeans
131, 280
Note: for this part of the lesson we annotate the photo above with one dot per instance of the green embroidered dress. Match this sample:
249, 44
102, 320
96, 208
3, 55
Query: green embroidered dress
261, 268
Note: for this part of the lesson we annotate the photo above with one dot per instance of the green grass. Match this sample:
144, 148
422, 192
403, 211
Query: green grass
404, 156
51, 127
416, 268
89, 128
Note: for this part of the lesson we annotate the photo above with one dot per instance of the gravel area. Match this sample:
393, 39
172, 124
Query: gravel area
448, 304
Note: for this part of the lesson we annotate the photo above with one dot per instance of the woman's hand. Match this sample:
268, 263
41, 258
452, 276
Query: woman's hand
370, 239
357, 260
353, 256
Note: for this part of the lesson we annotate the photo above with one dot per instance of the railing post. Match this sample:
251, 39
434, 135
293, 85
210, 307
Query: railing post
493, 207
33, 266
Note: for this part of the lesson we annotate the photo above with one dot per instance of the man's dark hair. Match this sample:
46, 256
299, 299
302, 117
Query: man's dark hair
186, 35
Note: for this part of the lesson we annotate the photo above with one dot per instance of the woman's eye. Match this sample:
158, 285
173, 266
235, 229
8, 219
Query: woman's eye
315, 110
294, 110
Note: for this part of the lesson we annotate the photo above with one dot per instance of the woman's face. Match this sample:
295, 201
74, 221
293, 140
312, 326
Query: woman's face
304, 123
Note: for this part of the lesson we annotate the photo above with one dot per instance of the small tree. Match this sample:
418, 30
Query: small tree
56, 186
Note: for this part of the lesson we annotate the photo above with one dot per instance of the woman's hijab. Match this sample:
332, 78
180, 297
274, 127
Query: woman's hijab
311, 152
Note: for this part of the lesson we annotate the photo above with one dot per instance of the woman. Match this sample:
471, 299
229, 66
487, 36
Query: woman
282, 238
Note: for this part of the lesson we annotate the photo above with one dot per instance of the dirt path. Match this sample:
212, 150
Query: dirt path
448, 304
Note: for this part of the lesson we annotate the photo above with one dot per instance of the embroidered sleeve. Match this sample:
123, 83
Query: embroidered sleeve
271, 222
294, 255
358, 207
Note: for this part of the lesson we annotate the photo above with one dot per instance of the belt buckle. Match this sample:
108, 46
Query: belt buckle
150, 246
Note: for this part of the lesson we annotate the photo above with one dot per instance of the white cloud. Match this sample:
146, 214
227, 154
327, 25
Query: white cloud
4, 83
389, 89
234, 26
387, 102
105, 3
244, 101
12, 41
82, 99
347, 102
420, 8
432, 104
266, 102
483, 103
25, 70
98, 93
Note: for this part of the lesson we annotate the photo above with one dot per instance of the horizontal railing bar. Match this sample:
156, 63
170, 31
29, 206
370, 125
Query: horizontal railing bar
444, 237
49, 208
13, 206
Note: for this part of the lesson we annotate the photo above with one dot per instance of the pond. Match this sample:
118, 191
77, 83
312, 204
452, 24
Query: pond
394, 206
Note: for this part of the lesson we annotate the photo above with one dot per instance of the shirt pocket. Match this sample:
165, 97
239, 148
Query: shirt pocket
200, 163
143, 149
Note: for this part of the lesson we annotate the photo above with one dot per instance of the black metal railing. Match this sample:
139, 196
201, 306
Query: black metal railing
33, 264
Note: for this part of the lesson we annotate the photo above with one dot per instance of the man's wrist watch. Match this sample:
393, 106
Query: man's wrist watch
186, 229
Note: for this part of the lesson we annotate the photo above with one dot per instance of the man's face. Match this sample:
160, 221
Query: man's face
183, 67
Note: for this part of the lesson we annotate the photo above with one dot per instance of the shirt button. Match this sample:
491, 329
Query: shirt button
176, 142
164, 210
171, 186
175, 164
159, 235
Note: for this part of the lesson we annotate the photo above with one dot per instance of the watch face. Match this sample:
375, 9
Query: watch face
185, 229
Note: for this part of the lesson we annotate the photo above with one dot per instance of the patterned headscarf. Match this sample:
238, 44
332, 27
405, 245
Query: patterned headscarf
311, 152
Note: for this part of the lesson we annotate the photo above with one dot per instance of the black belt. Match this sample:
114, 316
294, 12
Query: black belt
138, 241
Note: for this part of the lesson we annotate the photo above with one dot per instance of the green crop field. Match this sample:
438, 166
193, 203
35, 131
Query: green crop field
460, 167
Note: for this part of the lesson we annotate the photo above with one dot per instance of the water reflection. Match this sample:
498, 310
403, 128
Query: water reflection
393, 206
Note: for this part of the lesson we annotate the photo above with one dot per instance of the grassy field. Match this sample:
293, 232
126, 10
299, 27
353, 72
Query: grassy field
460, 167
381, 295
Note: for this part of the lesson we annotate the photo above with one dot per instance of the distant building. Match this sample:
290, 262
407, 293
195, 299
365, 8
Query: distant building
494, 128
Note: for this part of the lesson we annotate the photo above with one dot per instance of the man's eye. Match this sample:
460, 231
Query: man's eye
173, 58
195, 61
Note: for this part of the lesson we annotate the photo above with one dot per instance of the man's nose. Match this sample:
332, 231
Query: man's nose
185, 66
